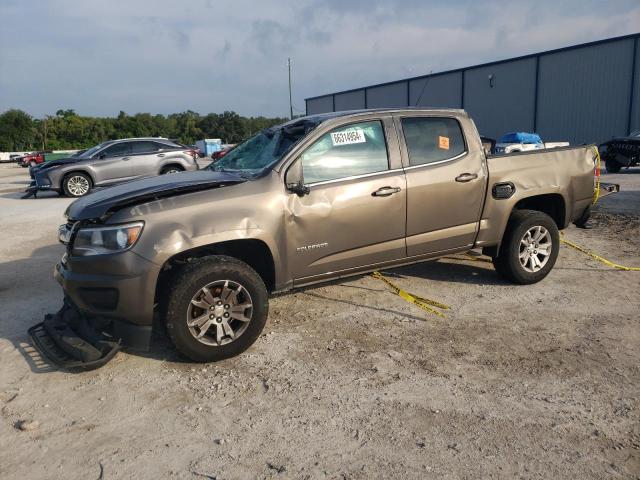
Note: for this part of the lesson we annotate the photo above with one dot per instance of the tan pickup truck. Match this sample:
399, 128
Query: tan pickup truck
315, 199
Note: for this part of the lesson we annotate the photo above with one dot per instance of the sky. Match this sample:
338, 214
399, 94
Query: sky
157, 56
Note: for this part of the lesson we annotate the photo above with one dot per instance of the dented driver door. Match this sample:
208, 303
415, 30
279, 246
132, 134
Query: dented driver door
354, 212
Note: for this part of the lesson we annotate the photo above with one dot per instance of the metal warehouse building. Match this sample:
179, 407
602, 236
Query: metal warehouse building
583, 94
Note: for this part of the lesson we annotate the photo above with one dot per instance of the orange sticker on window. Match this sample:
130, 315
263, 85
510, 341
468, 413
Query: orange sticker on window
443, 143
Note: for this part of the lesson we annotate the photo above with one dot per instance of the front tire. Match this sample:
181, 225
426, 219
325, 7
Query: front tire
529, 249
217, 307
76, 184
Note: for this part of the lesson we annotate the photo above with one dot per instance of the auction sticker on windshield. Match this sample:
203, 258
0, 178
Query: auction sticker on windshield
348, 137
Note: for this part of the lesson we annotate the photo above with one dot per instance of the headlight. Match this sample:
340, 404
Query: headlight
101, 240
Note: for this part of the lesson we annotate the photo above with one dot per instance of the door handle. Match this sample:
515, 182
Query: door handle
160, 155
385, 191
466, 177
125, 159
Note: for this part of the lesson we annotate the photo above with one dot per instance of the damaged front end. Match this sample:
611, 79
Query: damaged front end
33, 189
109, 287
69, 339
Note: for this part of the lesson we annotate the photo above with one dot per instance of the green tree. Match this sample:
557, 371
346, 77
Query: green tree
17, 131
68, 130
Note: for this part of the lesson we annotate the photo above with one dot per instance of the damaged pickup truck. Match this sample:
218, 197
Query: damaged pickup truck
318, 198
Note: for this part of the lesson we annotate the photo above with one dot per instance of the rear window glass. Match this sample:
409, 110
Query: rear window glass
167, 145
432, 139
144, 147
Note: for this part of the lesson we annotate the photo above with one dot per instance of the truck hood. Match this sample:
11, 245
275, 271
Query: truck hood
104, 202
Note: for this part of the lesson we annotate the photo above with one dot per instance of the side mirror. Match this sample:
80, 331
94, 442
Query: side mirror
102, 155
294, 179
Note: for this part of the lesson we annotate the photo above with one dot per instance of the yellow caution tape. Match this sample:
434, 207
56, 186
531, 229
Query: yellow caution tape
596, 188
423, 303
597, 257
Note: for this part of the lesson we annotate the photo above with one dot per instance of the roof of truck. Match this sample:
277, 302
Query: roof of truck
321, 117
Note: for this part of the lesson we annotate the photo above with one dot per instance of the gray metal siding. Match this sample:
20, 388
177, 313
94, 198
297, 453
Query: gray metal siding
583, 94
444, 91
506, 106
392, 95
635, 112
350, 101
320, 105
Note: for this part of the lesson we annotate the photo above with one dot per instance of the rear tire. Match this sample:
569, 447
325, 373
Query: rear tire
222, 296
522, 259
171, 169
612, 166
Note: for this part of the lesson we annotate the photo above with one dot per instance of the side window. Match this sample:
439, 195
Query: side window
346, 151
117, 150
165, 146
144, 147
432, 139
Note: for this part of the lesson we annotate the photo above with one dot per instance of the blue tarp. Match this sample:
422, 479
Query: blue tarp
520, 137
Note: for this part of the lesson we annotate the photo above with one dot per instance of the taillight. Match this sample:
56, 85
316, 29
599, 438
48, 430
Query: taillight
191, 152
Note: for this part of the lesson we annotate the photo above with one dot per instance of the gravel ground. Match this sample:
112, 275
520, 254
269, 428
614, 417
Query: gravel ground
348, 380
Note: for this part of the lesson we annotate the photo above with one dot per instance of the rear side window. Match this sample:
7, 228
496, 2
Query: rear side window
346, 151
118, 150
167, 146
432, 139
144, 147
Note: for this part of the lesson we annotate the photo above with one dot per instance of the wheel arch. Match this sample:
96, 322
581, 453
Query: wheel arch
171, 163
254, 252
553, 204
65, 175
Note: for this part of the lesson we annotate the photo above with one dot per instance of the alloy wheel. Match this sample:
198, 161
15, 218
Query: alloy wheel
219, 312
535, 249
78, 185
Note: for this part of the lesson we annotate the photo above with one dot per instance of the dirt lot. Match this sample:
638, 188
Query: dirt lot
348, 380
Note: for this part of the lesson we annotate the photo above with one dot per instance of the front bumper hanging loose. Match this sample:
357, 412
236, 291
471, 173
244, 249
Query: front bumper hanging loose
68, 339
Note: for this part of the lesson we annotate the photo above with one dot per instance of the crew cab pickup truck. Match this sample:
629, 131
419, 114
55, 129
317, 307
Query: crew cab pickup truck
315, 199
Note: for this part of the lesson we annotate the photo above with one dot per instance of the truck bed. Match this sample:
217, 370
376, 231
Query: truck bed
567, 172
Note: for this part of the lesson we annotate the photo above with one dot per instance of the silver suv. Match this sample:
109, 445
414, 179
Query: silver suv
112, 162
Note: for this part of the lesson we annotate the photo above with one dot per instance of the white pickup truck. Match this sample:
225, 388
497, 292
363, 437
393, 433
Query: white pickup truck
524, 142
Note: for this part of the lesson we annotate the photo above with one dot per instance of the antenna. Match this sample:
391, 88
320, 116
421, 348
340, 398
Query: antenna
426, 80
290, 102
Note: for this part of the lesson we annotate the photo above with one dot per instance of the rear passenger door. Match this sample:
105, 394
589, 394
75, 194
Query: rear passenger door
446, 182
354, 213
146, 158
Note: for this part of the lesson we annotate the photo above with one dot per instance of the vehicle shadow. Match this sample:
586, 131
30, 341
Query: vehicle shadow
18, 193
454, 271
28, 292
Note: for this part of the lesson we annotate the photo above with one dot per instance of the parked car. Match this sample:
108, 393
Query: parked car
221, 153
113, 162
621, 152
312, 200
524, 142
31, 159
